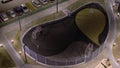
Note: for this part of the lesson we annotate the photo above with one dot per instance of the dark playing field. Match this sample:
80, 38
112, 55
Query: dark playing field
66, 39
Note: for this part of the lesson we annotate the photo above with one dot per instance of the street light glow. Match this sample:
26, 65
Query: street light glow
1, 45
20, 52
118, 14
12, 41
114, 43
114, 4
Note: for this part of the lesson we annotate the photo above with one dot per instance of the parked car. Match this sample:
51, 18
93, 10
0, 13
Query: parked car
11, 13
4, 17
5, 1
36, 3
18, 10
44, 1
24, 8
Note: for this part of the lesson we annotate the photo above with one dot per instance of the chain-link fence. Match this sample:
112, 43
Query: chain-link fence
89, 53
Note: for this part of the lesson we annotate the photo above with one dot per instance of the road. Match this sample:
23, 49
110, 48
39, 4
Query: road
112, 33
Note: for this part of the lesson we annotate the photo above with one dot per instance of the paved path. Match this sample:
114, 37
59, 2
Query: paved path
11, 51
112, 34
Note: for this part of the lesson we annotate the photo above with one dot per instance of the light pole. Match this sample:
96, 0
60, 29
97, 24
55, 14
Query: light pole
57, 6
20, 27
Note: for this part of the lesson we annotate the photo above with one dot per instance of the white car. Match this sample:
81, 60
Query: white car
24, 8
4, 17
36, 3
44, 1
11, 13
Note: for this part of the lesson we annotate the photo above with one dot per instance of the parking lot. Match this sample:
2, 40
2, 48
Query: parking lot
12, 4
9, 10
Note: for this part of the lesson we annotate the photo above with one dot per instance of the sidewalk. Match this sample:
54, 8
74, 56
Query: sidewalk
11, 51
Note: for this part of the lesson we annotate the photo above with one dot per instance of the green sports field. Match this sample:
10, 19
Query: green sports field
91, 22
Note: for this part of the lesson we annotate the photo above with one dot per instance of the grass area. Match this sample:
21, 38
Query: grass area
116, 48
30, 6
49, 17
45, 19
17, 43
79, 3
5, 59
91, 22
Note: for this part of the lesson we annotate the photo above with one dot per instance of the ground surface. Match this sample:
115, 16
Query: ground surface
34, 17
5, 60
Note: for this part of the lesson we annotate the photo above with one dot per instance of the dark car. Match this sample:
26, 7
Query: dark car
5, 1
24, 8
44, 1
36, 3
3, 16
18, 10
11, 13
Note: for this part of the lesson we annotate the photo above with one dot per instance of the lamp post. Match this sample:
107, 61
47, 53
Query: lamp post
57, 6
20, 27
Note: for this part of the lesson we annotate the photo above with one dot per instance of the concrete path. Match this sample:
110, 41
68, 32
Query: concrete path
112, 34
11, 51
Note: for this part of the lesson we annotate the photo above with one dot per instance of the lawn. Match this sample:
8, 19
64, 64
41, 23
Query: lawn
79, 3
116, 48
30, 6
17, 43
91, 22
5, 59
45, 19
49, 18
